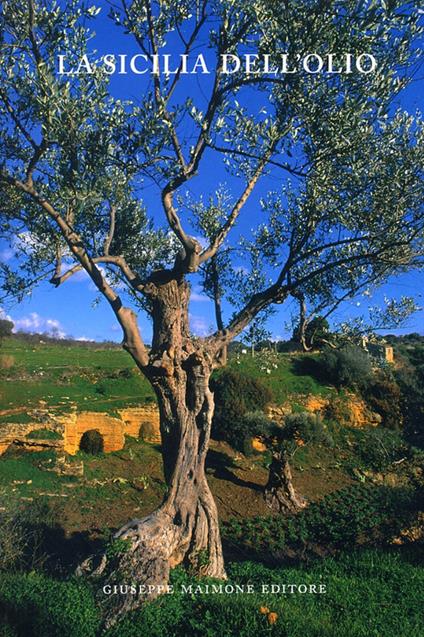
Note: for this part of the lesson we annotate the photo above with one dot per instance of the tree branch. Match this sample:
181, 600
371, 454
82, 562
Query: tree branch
16, 119
109, 237
126, 317
232, 217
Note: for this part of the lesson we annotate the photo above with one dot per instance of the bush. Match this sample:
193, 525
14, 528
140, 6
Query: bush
24, 536
235, 395
411, 383
378, 448
92, 442
6, 361
252, 424
346, 367
307, 427
383, 396
341, 519
33, 605
147, 431
351, 578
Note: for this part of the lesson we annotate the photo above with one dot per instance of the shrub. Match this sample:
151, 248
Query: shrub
338, 411
12, 542
350, 578
349, 366
24, 536
6, 361
34, 605
378, 448
252, 424
340, 519
307, 427
235, 395
383, 396
147, 431
411, 383
92, 442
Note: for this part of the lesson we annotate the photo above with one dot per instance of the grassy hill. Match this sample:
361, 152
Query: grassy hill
96, 379
105, 378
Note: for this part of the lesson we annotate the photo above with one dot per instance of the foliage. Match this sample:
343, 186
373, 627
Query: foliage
6, 328
356, 160
34, 605
348, 579
349, 366
378, 448
383, 396
92, 442
298, 429
357, 513
23, 535
410, 378
235, 394
317, 332
250, 425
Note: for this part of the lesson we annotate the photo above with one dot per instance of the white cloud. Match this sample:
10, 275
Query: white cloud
198, 296
36, 323
85, 339
199, 326
4, 316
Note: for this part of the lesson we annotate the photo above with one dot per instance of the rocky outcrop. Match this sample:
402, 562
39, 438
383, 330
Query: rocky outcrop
143, 421
349, 410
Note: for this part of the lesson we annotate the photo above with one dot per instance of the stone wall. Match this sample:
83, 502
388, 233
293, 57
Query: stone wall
78, 423
17, 433
111, 428
135, 417
73, 425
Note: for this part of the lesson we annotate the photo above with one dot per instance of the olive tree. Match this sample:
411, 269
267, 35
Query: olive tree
75, 161
283, 442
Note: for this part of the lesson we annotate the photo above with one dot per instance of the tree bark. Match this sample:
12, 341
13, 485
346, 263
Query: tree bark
280, 494
185, 528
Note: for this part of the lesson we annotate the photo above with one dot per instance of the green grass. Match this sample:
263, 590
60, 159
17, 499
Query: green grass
44, 434
367, 593
107, 379
24, 476
93, 379
283, 381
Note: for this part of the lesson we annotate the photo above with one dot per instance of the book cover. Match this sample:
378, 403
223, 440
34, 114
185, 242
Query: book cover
211, 240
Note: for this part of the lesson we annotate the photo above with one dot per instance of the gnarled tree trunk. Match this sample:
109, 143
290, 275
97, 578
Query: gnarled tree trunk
280, 494
185, 528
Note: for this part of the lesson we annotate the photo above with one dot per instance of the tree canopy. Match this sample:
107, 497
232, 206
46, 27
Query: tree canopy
76, 160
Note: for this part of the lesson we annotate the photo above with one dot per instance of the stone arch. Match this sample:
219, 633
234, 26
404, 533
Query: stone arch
111, 429
92, 441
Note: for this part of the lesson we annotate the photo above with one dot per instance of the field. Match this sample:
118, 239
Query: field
360, 537
96, 379
105, 378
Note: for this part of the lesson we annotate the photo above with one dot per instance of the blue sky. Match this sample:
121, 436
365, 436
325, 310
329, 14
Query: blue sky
69, 309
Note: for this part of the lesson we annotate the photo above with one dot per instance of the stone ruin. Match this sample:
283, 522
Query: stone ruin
71, 426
